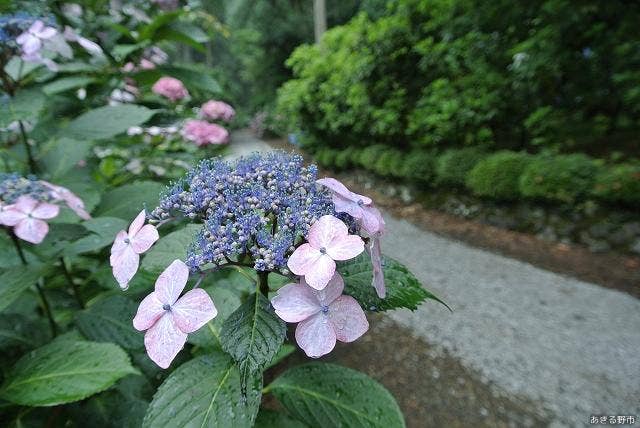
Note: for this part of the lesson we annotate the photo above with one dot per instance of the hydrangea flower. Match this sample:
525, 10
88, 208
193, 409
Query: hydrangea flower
203, 133
27, 216
324, 316
213, 110
168, 318
170, 88
69, 198
127, 247
31, 41
328, 240
91, 47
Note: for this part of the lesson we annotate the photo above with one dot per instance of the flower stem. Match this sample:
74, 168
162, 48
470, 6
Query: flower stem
74, 286
263, 282
32, 163
45, 303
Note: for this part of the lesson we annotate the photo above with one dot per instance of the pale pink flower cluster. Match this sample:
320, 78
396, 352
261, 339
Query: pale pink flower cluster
203, 133
214, 110
171, 88
316, 303
28, 216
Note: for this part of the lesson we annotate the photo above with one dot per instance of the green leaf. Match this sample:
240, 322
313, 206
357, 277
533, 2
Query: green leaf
14, 282
321, 394
226, 301
109, 320
252, 335
106, 122
18, 331
285, 350
25, 105
104, 231
403, 288
127, 201
65, 371
60, 155
120, 52
272, 419
204, 392
18, 69
66, 83
170, 247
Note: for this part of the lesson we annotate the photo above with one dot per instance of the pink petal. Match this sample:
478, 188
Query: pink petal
149, 311
295, 302
325, 230
36, 27
343, 205
10, 216
171, 282
26, 204
348, 319
376, 263
345, 247
118, 245
47, 33
193, 310
303, 259
137, 223
164, 340
315, 335
321, 273
45, 210
125, 265
372, 220
31, 230
144, 239
332, 291
340, 189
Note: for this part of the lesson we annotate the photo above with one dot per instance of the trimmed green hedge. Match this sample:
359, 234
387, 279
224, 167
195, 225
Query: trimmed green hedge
619, 184
497, 176
453, 165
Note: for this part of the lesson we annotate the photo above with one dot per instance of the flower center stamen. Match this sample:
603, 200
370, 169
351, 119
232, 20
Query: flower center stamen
325, 309
323, 250
166, 307
360, 202
127, 241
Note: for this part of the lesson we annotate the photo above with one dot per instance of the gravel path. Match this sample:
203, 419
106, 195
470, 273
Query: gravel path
570, 346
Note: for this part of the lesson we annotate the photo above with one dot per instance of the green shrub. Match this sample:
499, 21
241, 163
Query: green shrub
370, 155
343, 158
563, 178
326, 157
453, 165
619, 183
497, 175
419, 165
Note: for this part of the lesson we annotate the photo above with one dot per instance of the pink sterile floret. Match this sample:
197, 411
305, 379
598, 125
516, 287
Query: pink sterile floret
328, 240
168, 318
171, 88
27, 216
127, 247
68, 197
324, 316
213, 110
357, 206
31, 40
203, 133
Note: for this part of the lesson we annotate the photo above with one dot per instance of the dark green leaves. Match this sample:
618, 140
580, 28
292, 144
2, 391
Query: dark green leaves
14, 282
66, 83
403, 288
127, 201
109, 320
328, 395
106, 122
25, 105
65, 371
170, 247
252, 335
205, 392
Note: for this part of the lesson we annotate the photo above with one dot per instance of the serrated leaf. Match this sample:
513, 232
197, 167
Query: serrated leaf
204, 392
170, 247
226, 301
252, 335
66, 83
403, 288
14, 282
109, 320
321, 394
65, 371
60, 155
127, 201
272, 419
106, 122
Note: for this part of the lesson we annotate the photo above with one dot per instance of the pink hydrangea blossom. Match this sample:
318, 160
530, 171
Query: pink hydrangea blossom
361, 208
168, 318
324, 316
32, 39
127, 247
213, 110
145, 64
171, 88
27, 216
203, 133
357, 206
328, 240
69, 198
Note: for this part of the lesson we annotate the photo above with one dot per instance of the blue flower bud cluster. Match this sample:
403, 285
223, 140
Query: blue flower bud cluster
253, 211
12, 186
